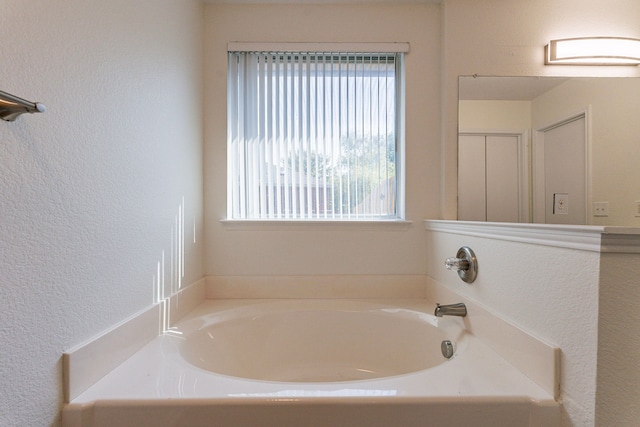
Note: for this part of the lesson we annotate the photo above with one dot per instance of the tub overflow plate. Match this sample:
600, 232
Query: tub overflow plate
447, 349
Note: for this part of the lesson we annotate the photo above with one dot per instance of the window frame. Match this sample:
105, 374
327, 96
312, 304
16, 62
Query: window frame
340, 48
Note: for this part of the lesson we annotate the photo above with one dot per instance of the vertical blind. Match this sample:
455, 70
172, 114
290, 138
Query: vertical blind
312, 135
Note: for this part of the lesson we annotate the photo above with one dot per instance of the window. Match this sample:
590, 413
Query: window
314, 135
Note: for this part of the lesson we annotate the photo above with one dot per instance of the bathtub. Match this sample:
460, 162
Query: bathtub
314, 363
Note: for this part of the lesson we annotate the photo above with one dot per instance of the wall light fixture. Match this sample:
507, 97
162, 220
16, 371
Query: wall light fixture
593, 51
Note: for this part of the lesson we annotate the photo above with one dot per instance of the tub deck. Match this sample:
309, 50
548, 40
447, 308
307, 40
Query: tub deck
156, 387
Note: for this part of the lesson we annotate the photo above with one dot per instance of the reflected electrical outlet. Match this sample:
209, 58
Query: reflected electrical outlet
560, 204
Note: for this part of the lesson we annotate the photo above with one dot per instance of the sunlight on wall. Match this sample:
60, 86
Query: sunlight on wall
167, 283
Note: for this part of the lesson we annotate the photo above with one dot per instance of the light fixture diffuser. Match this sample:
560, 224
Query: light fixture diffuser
593, 51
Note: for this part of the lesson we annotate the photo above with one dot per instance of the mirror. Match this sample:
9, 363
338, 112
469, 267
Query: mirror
562, 150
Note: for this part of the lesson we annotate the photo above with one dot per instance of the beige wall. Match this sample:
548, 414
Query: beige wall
494, 115
319, 249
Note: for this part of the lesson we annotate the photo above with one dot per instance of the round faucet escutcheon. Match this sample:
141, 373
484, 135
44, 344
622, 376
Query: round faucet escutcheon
465, 263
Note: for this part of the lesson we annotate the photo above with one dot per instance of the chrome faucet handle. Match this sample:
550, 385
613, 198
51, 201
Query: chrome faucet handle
465, 263
456, 264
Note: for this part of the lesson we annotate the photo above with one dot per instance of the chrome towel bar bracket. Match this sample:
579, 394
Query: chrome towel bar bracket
11, 107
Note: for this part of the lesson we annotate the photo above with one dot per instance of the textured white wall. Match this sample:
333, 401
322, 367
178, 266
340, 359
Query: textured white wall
618, 391
90, 190
320, 250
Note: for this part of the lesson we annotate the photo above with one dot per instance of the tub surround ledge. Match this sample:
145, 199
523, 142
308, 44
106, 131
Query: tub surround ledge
592, 238
88, 362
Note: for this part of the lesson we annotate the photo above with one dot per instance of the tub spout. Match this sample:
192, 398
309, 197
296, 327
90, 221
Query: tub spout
458, 309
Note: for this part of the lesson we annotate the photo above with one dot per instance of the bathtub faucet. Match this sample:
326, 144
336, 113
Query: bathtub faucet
458, 309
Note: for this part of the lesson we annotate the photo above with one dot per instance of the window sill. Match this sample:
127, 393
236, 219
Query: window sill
315, 224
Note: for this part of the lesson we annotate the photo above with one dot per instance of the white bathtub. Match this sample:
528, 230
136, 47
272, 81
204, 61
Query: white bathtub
316, 341
314, 363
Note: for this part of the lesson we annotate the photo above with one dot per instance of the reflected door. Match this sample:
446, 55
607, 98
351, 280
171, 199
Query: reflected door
488, 178
565, 195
